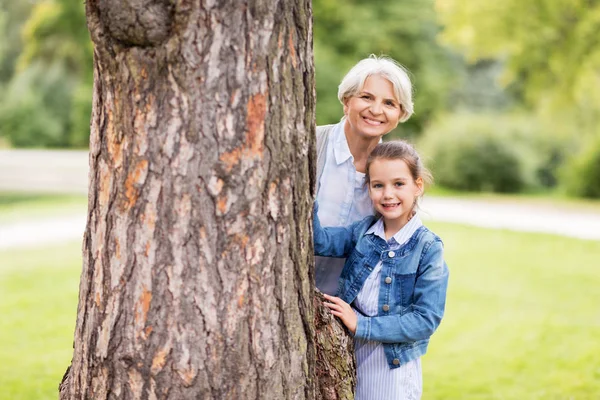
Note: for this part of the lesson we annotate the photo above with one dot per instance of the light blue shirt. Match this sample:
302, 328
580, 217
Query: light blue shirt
343, 196
343, 199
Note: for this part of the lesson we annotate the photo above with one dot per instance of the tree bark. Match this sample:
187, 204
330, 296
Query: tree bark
197, 280
335, 370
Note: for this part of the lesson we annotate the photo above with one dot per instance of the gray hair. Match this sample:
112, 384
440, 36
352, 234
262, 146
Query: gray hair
386, 67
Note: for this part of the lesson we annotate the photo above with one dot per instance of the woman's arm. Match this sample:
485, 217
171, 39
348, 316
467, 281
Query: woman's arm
332, 241
426, 312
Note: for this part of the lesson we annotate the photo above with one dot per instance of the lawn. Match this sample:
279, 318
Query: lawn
38, 305
522, 321
19, 206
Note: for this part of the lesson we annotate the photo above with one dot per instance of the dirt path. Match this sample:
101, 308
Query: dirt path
529, 218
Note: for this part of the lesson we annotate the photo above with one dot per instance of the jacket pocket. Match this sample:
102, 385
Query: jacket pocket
404, 288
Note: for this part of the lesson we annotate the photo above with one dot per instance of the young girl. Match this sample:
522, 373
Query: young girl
392, 290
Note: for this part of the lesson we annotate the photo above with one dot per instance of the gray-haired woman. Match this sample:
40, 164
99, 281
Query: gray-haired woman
376, 95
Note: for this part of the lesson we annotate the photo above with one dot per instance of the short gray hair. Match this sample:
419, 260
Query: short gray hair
386, 67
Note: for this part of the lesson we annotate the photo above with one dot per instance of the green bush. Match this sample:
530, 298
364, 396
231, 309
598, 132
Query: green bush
35, 108
580, 175
489, 152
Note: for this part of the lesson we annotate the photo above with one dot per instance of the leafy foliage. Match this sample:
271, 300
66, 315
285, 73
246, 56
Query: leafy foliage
47, 102
492, 152
582, 172
549, 46
36, 108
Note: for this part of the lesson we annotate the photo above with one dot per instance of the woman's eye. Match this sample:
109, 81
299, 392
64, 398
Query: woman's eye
390, 103
366, 97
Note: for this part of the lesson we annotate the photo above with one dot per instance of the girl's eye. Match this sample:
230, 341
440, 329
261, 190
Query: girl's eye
377, 186
398, 184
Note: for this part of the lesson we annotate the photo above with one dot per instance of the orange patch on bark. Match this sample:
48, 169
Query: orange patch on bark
231, 158
187, 376
117, 248
114, 143
148, 331
104, 185
292, 50
255, 123
141, 312
159, 361
255, 133
131, 191
280, 40
240, 240
222, 204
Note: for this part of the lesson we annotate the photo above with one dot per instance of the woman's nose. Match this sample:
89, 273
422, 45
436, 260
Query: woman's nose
376, 108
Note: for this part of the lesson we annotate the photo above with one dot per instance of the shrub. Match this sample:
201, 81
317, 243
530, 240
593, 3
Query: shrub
35, 107
580, 175
488, 152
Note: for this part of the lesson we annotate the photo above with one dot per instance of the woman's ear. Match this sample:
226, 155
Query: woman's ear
346, 106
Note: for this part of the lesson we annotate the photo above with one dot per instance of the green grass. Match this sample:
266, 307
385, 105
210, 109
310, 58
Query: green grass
38, 308
19, 206
522, 320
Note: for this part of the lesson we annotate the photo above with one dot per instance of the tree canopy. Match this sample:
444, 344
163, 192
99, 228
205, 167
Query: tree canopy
549, 47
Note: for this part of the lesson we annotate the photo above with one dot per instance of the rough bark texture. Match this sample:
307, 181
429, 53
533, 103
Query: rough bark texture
196, 282
336, 367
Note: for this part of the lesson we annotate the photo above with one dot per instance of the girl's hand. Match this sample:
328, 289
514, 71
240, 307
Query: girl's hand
343, 311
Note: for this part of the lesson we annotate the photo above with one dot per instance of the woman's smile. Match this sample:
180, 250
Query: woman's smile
371, 121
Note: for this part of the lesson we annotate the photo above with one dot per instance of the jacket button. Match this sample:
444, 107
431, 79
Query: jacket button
396, 361
391, 254
386, 307
388, 280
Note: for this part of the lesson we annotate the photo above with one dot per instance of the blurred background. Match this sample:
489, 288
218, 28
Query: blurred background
507, 114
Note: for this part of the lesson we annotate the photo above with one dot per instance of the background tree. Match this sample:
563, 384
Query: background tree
548, 45
196, 279
47, 99
551, 57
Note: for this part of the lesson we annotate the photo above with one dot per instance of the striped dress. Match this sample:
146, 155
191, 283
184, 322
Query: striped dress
375, 379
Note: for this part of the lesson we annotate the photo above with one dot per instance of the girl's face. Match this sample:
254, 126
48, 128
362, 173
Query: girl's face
374, 111
393, 190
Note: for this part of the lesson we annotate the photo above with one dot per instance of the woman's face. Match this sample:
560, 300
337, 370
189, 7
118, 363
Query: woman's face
374, 110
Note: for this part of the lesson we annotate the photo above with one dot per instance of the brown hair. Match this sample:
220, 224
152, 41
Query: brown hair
400, 150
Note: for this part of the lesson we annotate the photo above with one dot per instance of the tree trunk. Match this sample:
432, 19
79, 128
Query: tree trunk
197, 279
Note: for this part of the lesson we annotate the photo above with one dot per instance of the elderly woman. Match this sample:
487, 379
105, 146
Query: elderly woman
376, 94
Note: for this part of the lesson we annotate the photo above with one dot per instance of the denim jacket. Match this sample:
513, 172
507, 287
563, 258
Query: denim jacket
412, 294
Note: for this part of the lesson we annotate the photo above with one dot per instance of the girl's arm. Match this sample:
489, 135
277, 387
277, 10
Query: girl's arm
332, 241
425, 313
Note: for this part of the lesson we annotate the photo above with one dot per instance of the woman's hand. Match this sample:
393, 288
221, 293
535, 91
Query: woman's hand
343, 311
